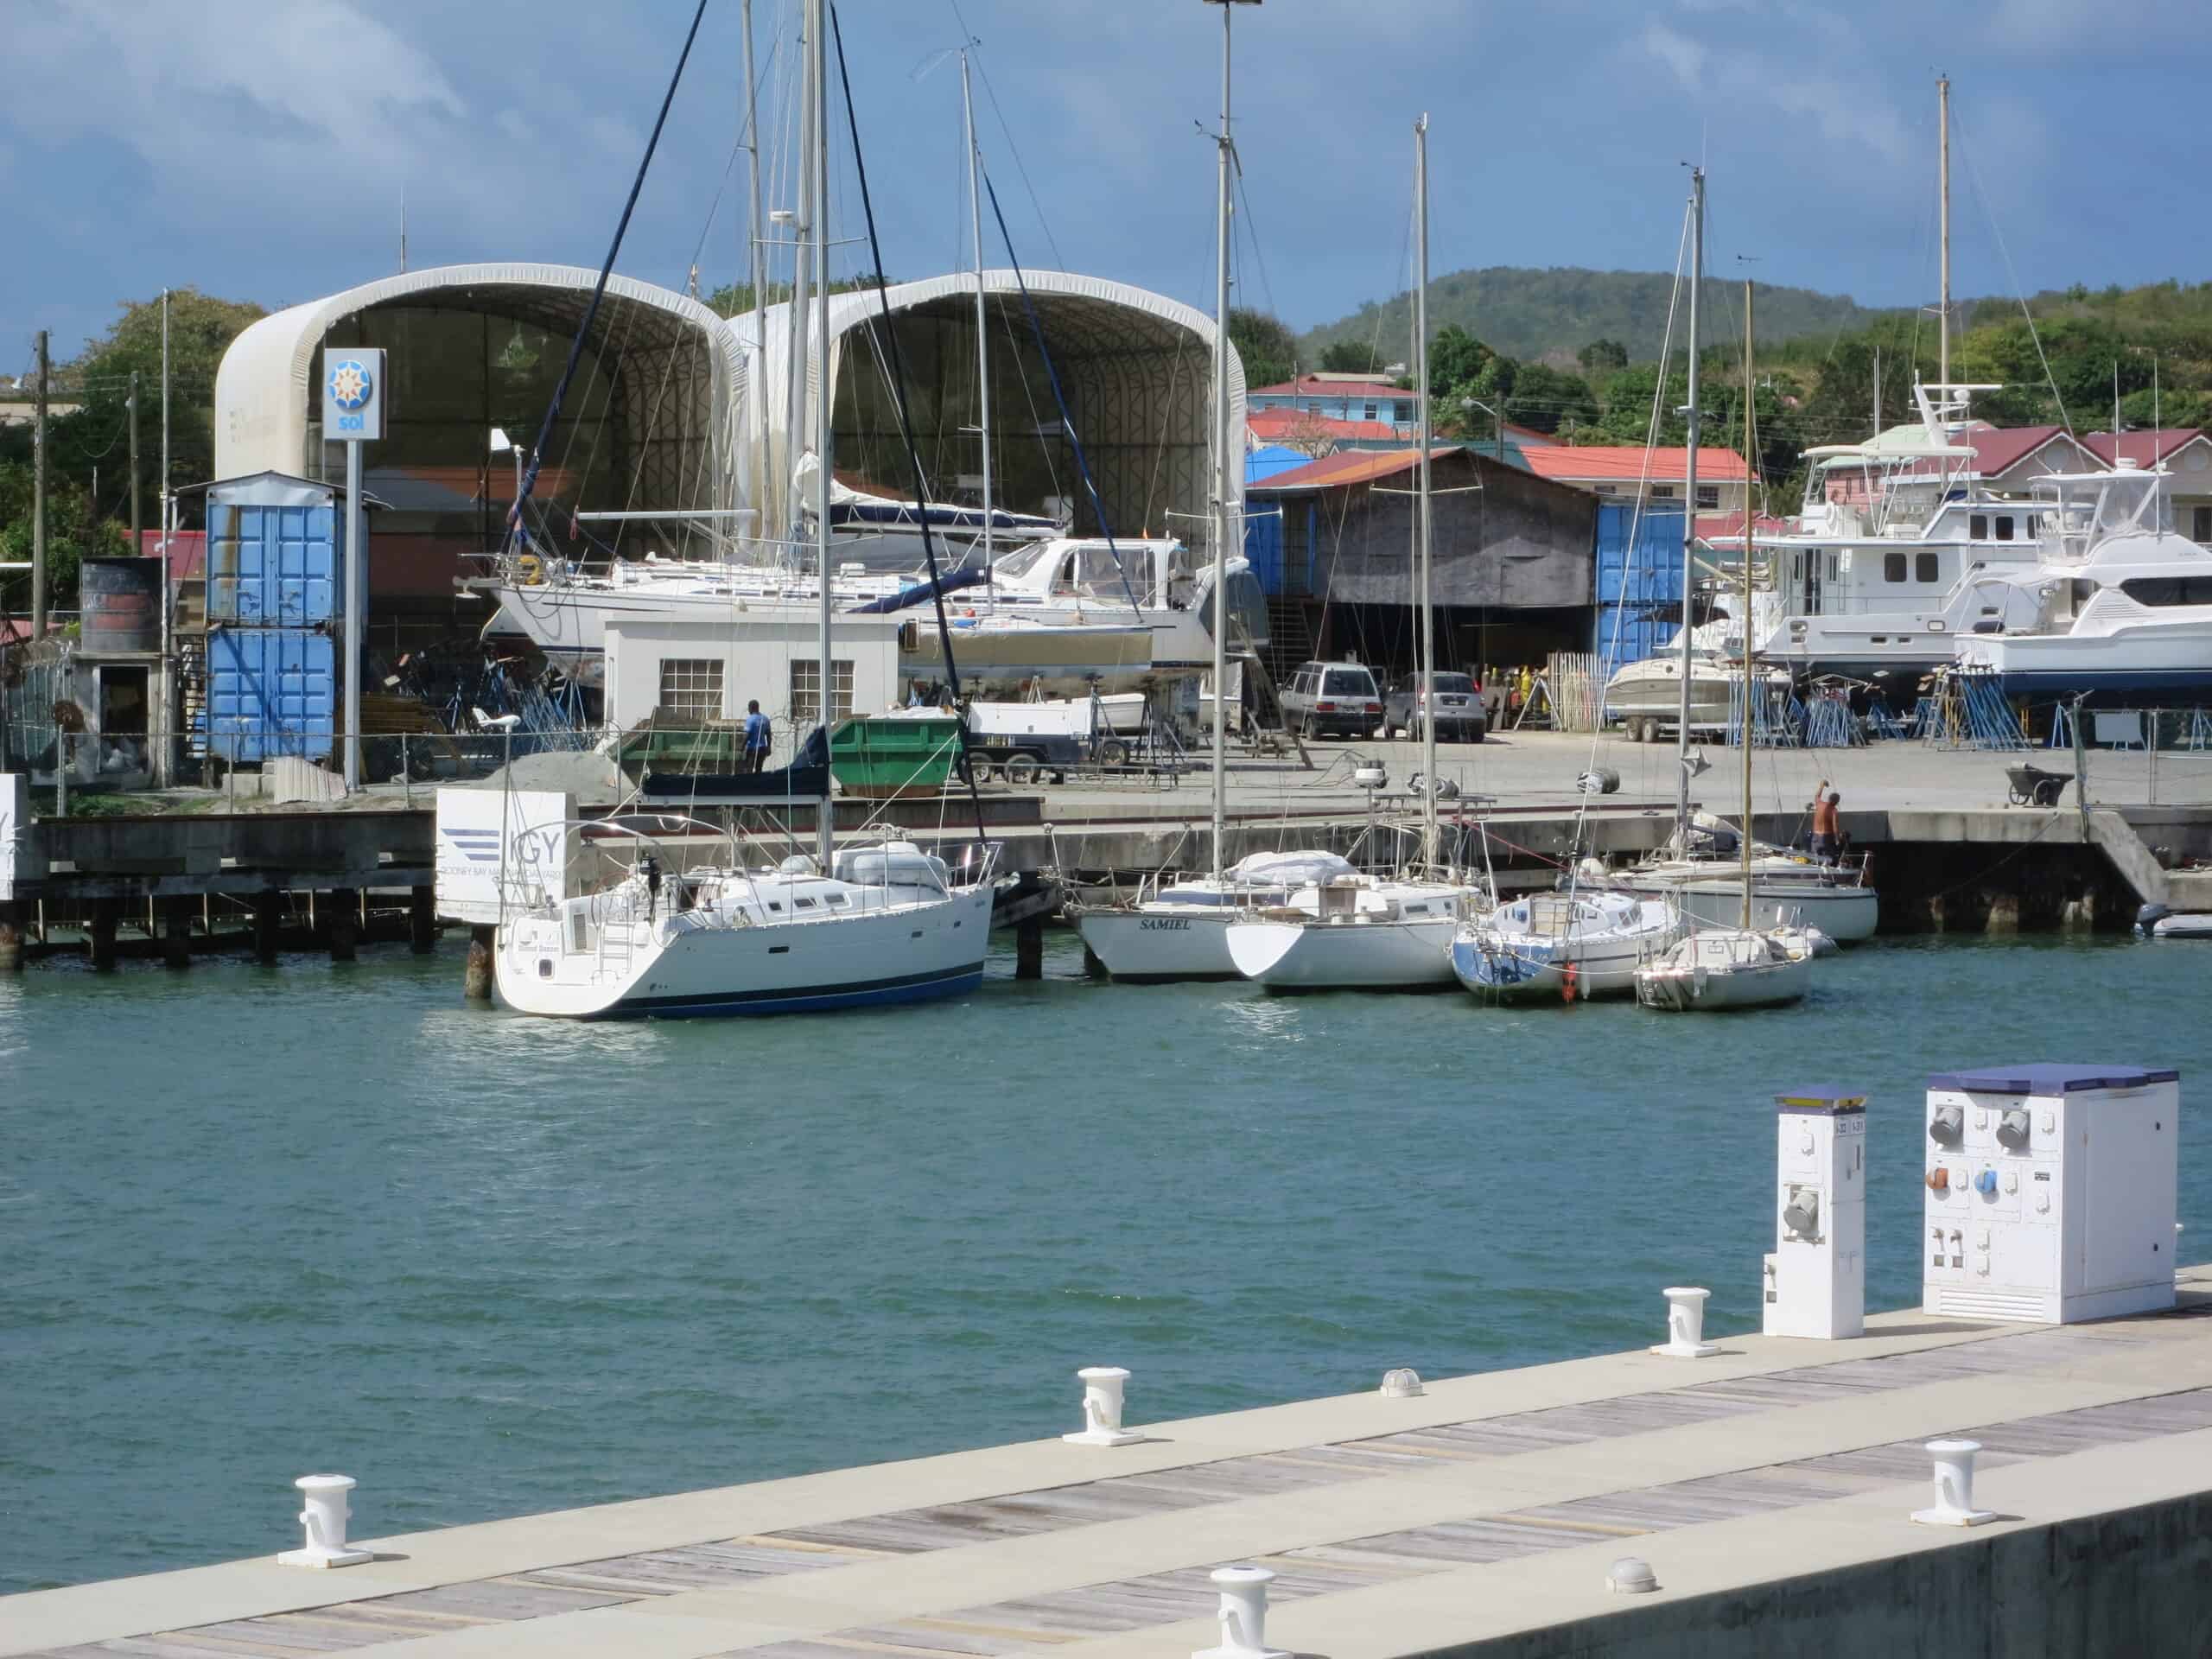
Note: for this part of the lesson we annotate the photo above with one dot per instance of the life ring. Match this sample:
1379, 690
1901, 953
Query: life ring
528, 568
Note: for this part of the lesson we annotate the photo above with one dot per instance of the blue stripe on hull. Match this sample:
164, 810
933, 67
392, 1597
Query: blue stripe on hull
2058, 682
911, 987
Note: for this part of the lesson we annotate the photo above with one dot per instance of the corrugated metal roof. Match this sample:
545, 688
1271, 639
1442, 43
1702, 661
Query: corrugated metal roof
1576, 463
1999, 449
1270, 423
2144, 448
1346, 467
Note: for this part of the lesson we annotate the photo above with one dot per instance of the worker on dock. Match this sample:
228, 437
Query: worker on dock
1827, 839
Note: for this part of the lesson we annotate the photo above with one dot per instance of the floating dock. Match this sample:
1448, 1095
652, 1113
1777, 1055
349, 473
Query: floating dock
1769, 1486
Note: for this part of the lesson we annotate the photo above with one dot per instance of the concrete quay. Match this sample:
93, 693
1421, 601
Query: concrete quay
1769, 1486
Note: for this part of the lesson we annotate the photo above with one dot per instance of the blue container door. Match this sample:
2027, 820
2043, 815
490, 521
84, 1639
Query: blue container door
273, 566
1639, 582
270, 692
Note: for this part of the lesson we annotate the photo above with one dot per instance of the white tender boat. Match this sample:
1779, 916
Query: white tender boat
1564, 944
1355, 933
1180, 931
890, 924
1724, 967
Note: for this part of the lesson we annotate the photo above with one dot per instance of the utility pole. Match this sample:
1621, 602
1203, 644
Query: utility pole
165, 502
1877, 392
38, 503
1943, 301
137, 541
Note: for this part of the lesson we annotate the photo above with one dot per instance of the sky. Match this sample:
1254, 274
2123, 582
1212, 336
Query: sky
262, 149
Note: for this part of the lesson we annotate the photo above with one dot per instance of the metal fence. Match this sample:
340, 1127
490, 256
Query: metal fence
2130, 757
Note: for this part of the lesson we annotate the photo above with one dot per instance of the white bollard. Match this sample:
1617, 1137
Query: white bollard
1243, 1614
1954, 1486
1686, 1324
325, 1519
1403, 1383
1631, 1575
1101, 1408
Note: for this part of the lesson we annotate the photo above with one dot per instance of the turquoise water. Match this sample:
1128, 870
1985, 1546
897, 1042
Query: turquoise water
259, 1222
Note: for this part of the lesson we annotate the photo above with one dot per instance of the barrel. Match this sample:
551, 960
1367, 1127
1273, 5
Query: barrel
121, 603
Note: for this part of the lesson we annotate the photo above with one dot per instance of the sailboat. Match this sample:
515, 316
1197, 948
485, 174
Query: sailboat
879, 923
1179, 930
1568, 944
1363, 932
1742, 967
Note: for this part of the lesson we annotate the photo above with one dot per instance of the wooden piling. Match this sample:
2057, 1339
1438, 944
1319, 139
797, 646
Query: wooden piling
1029, 948
476, 976
268, 913
345, 909
99, 934
11, 936
176, 931
422, 921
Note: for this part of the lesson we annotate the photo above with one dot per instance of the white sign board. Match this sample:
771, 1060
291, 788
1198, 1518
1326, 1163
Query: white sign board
490, 864
353, 396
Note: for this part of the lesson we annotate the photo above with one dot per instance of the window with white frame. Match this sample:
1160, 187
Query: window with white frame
691, 687
806, 691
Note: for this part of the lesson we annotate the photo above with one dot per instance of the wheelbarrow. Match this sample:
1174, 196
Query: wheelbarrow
2033, 786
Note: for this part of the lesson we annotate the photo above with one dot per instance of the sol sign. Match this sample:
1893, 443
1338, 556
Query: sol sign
353, 394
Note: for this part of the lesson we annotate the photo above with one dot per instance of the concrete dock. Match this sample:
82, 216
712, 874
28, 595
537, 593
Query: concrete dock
1767, 1485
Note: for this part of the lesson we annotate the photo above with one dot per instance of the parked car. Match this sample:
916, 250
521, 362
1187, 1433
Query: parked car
1333, 699
1459, 708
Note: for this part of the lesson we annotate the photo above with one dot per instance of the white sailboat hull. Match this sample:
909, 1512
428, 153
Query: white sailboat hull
1345, 953
1508, 966
1161, 943
1764, 987
1845, 913
677, 968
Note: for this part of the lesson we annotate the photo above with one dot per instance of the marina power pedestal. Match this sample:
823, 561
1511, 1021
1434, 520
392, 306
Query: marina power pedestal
1816, 1277
2050, 1192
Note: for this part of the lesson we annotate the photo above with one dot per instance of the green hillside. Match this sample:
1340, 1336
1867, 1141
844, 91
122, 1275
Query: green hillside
1536, 315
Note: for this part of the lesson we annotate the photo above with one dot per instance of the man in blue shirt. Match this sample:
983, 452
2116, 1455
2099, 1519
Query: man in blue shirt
756, 737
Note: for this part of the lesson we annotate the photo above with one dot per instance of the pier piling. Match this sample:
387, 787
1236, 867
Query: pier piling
422, 921
476, 977
176, 932
345, 924
1029, 948
268, 910
11, 936
99, 934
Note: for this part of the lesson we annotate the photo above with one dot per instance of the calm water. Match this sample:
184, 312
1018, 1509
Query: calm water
259, 1222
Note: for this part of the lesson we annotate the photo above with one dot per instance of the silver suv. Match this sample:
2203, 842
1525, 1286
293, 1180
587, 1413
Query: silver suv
1333, 699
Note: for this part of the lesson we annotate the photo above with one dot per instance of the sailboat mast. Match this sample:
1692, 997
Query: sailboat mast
818, 138
798, 353
757, 272
983, 333
1943, 299
1689, 516
1425, 671
1222, 516
1751, 431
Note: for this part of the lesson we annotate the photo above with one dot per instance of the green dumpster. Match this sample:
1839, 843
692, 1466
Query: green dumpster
880, 757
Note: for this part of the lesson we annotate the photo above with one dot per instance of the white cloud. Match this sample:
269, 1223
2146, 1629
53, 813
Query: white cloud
1678, 52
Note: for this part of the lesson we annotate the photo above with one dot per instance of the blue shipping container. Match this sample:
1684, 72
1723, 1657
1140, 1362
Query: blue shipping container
271, 566
1639, 586
270, 692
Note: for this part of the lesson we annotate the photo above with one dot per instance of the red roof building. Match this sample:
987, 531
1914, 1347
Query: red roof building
2013, 457
2186, 453
1617, 472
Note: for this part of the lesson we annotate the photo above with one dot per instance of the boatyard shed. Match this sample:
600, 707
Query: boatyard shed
1513, 558
702, 674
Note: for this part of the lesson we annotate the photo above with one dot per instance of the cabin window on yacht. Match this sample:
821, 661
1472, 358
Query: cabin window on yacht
802, 904
1709, 498
1928, 567
691, 687
2169, 590
1978, 526
836, 901
1893, 567
806, 690
2003, 526
776, 904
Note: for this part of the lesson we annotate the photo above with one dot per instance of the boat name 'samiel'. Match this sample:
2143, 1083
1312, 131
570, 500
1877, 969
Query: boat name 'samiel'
1160, 924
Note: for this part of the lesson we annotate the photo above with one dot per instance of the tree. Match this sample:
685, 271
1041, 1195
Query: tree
1602, 357
1546, 400
73, 535
1352, 357
1269, 349
1627, 397
1456, 361
1310, 435
201, 328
